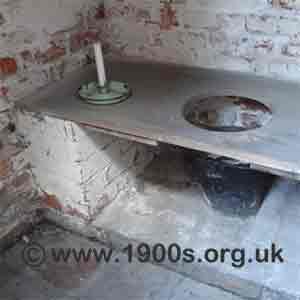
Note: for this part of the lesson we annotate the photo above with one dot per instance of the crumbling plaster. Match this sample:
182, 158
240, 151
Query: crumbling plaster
40, 42
82, 171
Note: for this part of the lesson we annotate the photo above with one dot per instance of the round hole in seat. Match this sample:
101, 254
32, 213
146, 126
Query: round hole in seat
227, 113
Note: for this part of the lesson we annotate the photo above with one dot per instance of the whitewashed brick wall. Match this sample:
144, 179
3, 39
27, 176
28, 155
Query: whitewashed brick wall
80, 170
41, 41
257, 36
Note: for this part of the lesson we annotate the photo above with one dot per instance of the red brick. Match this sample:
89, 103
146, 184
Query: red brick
4, 91
82, 39
51, 54
5, 168
168, 17
52, 202
100, 12
8, 66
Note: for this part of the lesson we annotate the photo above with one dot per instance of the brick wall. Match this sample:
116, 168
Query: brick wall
76, 171
40, 41
257, 36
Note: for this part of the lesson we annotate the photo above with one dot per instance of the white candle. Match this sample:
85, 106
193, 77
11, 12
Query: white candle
100, 64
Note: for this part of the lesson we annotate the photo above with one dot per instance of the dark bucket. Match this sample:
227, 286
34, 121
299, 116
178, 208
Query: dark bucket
230, 186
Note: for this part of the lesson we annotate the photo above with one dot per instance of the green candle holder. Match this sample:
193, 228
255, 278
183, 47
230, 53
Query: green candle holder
113, 92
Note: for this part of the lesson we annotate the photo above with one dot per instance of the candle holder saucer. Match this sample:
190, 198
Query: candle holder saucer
113, 92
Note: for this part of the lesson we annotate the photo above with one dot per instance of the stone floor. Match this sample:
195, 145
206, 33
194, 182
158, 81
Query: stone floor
93, 280
166, 208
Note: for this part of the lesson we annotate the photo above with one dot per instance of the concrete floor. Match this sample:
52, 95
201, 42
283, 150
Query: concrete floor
92, 280
166, 208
